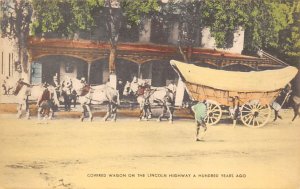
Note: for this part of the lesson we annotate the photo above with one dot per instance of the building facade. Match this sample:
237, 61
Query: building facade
138, 54
9, 66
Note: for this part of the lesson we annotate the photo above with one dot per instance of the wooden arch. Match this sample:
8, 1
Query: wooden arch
65, 55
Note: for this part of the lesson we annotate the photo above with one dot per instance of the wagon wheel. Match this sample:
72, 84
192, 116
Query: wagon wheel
254, 114
214, 113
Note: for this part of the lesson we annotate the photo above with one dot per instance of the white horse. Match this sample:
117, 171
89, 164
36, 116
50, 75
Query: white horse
26, 92
147, 96
99, 94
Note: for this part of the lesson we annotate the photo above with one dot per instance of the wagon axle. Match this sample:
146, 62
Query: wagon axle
255, 112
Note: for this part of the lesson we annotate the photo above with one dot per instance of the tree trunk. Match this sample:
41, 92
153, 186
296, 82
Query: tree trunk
113, 26
112, 59
20, 57
183, 54
22, 52
181, 42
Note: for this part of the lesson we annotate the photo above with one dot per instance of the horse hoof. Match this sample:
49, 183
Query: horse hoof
171, 122
81, 119
158, 120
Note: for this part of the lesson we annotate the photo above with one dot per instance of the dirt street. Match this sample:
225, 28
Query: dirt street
68, 154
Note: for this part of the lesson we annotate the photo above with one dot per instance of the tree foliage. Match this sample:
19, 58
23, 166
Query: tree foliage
224, 18
65, 17
289, 36
268, 24
136, 11
15, 24
189, 16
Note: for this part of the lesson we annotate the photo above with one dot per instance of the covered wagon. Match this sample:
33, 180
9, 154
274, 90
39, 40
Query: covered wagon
255, 90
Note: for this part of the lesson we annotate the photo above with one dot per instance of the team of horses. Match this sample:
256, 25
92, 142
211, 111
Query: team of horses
74, 90
147, 96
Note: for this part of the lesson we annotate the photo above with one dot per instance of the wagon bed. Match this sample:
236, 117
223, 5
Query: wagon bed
255, 90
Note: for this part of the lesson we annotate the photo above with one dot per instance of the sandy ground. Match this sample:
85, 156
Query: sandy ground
66, 153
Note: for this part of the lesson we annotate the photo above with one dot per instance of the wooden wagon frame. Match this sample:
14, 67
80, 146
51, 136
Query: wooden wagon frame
255, 97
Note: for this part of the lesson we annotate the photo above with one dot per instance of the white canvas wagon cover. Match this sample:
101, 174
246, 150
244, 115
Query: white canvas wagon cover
254, 81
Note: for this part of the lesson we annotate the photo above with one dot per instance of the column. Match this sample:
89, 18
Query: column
89, 71
139, 71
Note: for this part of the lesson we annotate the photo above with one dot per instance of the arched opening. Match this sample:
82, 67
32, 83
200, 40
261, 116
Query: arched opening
161, 73
44, 68
99, 72
146, 72
126, 70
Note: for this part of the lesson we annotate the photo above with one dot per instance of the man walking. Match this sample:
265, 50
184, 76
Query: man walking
200, 111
